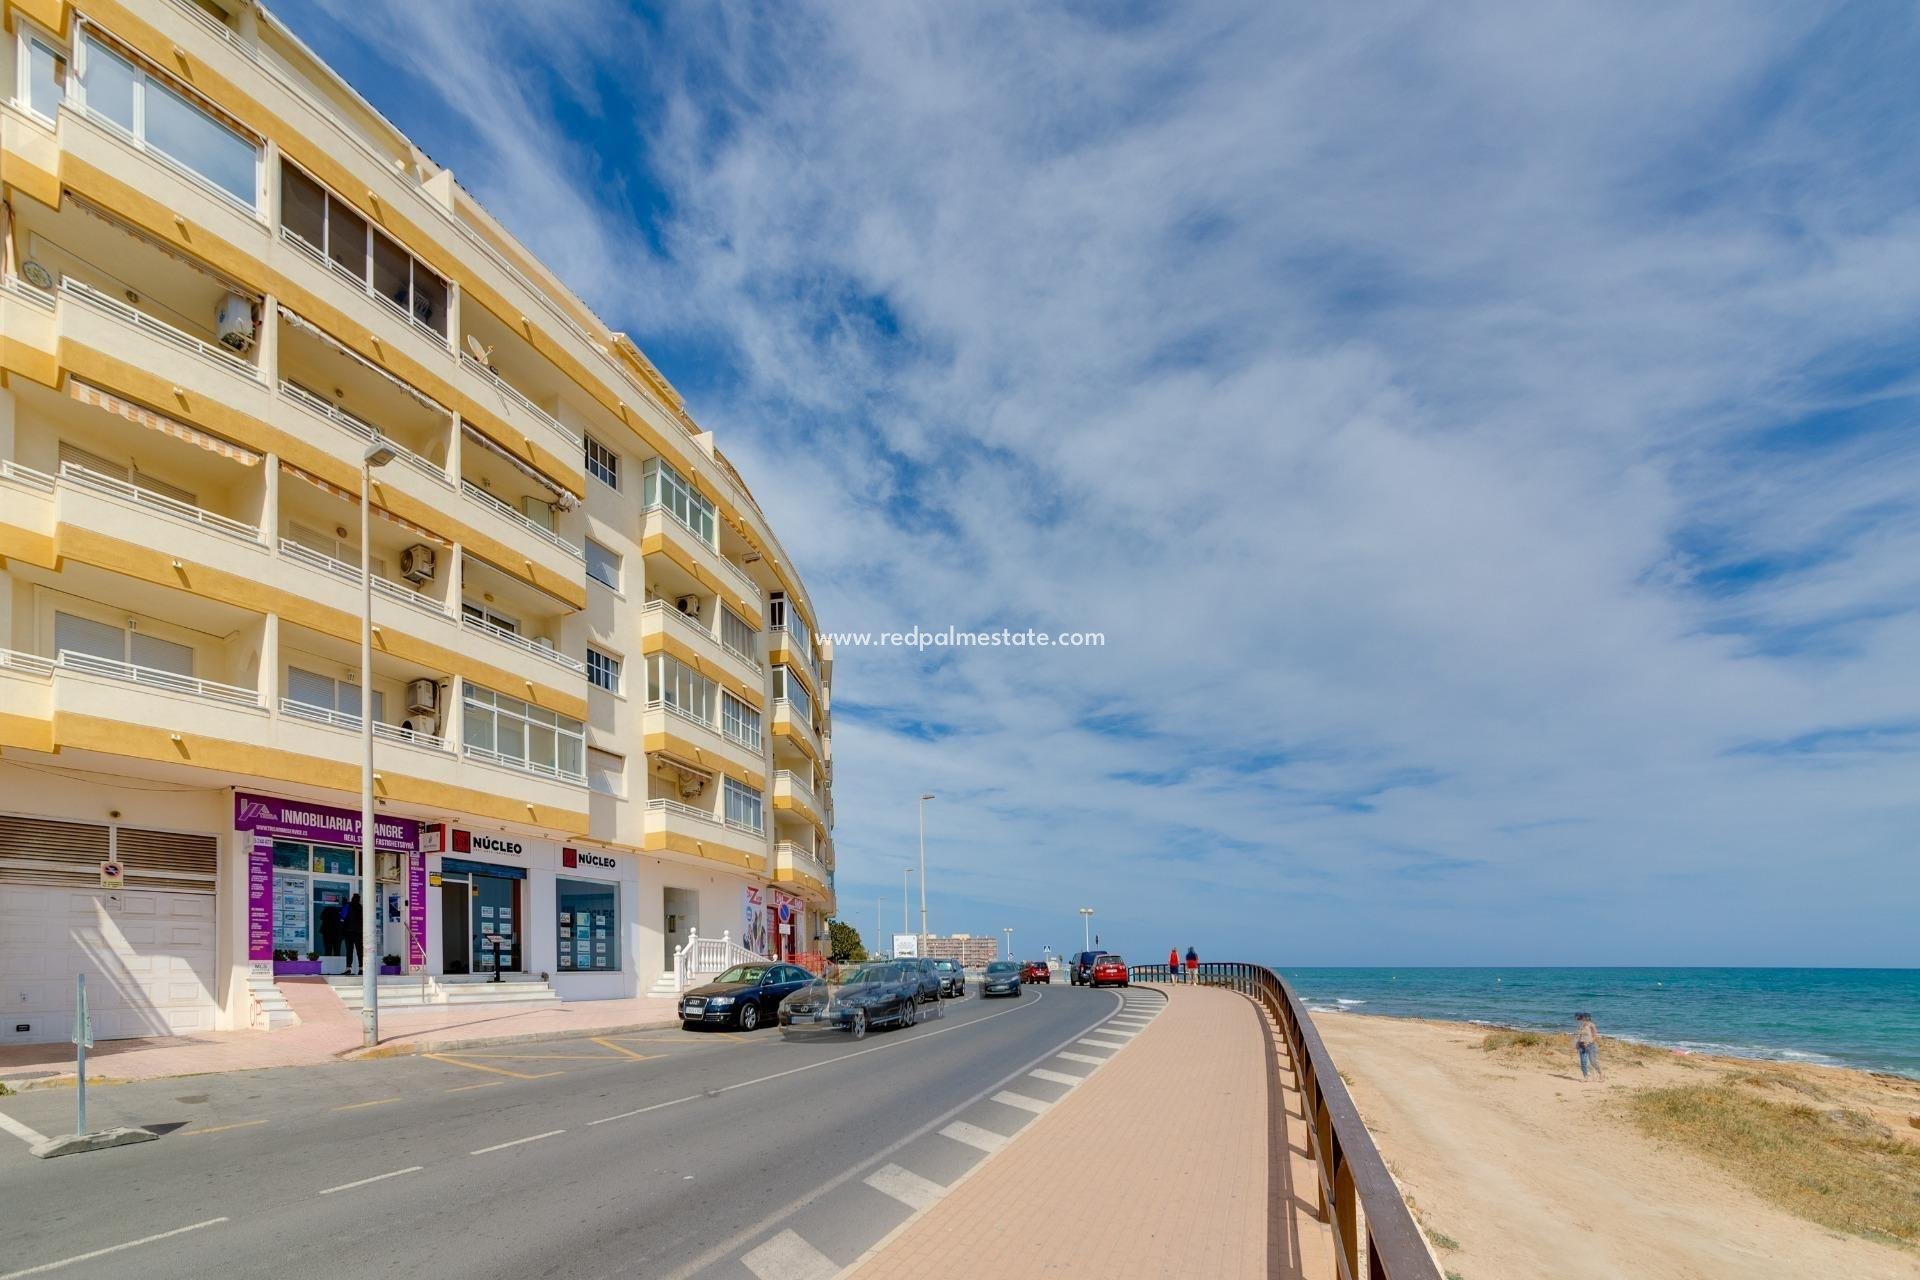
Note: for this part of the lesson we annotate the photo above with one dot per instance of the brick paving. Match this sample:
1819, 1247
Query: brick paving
1178, 1158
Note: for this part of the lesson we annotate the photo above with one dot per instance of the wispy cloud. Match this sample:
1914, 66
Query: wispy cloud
1514, 402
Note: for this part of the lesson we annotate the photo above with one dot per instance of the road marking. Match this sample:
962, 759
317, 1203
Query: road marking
378, 1177
377, 1102
974, 1136
788, 1257
498, 1071
1022, 1101
222, 1128
1102, 1044
20, 1131
502, 1146
620, 1048
465, 1088
906, 1186
45, 1267
1080, 1057
1055, 1077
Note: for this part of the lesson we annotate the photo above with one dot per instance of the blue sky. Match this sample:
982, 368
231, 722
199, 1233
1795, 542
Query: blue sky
1485, 434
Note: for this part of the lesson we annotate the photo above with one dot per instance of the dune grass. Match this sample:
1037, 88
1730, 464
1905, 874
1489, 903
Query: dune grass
1557, 1047
1835, 1167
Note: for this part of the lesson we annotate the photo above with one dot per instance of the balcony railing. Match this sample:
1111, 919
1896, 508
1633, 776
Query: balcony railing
519, 397
26, 476
27, 292
313, 254
154, 678
690, 623
796, 644
361, 429
74, 473
802, 860
520, 642
660, 704
506, 512
351, 723
26, 664
798, 786
742, 577
303, 554
687, 811
212, 353
524, 765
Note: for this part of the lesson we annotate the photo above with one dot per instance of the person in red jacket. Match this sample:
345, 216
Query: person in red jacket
1173, 964
1193, 965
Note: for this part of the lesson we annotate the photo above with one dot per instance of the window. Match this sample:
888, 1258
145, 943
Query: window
680, 686
119, 643
481, 613
662, 486
738, 634
782, 614
312, 689
606, 772
603, 565
589, 925
45, 77
603, 670
739, 721
164, 118
378, 262
743, 806
509, 731
603, 463
787, 685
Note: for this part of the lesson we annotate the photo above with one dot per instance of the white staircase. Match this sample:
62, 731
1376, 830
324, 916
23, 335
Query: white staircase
699, 959
424, 991
664, 986
271, 1012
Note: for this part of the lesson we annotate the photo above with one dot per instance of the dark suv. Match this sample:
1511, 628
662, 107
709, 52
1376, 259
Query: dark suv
1080, 972
953, 979
931, 985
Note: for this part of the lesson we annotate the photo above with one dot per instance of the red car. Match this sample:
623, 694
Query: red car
1109, 969
1036, 971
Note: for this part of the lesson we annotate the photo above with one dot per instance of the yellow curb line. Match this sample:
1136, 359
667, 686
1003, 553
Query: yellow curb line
377, 1102
498, 1071
222, 1128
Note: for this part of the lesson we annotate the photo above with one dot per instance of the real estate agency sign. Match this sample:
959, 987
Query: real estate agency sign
270, 818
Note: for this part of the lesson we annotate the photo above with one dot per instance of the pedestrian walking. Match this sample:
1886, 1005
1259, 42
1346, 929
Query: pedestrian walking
351, 924
1193, 965
1173, 964
1586, 1043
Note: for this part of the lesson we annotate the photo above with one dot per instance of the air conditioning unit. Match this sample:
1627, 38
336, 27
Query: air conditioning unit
689, 605
543, 642
416, 563
422, 722
386, 868
233, 322
422, 696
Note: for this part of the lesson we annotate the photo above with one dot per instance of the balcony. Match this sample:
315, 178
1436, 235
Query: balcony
386, 324
672, 825
521, 528
539, 648
198, 372
661, 618
364, 432
663, 531
791, 862
792, 794
298, 710
669, 727
788, 722
516, 409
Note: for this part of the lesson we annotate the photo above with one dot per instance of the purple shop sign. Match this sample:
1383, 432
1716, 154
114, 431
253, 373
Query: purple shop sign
298, 820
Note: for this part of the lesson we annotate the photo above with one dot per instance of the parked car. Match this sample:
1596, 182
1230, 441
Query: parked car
953, 979
1036, 971
931, 987
744, 996
1109, 968
1002, 979
1081, 970
855, 999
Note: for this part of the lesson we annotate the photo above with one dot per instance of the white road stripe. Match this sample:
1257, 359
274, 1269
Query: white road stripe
1102, 1044
378, 1177
974, 1136
1021, 1101
20, 1131
502, 1146
788, 1257
1116, 1031
1080, 1057
1055, 1077
906, 1186
45, 1267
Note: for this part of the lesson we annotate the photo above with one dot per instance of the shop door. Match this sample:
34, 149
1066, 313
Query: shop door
455, 932
332, 895
683, 916
496, 913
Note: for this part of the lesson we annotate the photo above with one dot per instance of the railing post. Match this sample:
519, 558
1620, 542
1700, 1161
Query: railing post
1344, 1209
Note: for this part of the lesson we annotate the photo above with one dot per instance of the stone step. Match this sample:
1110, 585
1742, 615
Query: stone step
273, 1011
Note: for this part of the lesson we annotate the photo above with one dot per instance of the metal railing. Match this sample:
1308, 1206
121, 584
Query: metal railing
214, 354
489, 756
362, 429
674, 708
26, 664
74, 473
1359, 1201
796, 644
154, 678
27, 476
686, 811
691, 623
798, 786
303, 554
501, 509
32, 293
524, 645
307, 249
519, 398
805, 861
350, 722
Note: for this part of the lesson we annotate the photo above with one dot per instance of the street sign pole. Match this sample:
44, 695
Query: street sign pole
82, 1041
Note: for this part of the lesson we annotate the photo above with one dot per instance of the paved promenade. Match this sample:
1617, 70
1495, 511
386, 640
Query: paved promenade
1183, 1156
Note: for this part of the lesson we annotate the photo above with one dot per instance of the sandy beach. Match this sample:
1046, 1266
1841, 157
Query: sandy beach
1527, 1172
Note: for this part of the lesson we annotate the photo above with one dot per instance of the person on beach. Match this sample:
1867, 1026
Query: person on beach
1586, 1042
1173, 964
1193, 965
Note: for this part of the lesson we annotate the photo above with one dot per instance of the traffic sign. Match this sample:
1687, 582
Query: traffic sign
112, 875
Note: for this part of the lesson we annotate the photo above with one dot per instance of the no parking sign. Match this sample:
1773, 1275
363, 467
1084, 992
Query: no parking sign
112, 875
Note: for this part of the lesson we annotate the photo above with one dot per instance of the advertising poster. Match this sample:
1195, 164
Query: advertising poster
753, 933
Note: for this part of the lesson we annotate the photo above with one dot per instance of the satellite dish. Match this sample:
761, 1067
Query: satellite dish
36, 275
483, 354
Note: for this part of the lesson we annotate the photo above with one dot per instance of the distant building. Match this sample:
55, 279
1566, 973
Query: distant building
972, 952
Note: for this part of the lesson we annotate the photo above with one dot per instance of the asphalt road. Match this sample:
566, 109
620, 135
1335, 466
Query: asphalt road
656, 1154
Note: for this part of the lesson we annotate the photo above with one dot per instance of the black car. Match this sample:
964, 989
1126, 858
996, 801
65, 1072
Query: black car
1002, 979
855, 999
744, 996
953, 979
1080, 972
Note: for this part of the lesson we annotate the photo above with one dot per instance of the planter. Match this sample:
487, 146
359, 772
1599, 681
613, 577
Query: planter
296, 968
389, 970
333, 964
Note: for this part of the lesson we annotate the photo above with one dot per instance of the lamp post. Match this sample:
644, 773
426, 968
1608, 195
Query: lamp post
1009, 932
1086, 928
377, 454
877, 903
925, 796
905, 871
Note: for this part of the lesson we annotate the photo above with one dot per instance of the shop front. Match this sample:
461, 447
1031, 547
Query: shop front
774, 923
303, 887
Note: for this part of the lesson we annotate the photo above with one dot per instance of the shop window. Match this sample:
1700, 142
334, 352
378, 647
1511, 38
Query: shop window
589, 916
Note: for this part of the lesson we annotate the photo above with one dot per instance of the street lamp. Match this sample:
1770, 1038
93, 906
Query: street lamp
1009, 932
925, 796
905, 871
377, 454
1086, 928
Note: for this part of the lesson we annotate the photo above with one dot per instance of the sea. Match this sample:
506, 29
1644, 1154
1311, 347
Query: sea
1865, 1018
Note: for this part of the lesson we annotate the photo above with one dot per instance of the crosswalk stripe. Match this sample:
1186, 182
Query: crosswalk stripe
906, 1186
1021, 1101
974, 1136
1080, 1057
1100, 1044
1118, 1031
788, 1257
1055, 1077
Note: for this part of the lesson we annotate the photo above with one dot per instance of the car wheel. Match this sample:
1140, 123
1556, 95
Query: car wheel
857, 1024
749, 1016
909, 1015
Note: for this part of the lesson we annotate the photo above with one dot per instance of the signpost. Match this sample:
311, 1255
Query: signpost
82, 1041
905, 945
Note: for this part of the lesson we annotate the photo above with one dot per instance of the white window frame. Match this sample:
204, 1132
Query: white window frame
365, 279
618, 785
680, 686
785, 685
739, 720
743, 806
26, 37
605, 468
477, 701
661, 485
481, 612
601, 664
619, 563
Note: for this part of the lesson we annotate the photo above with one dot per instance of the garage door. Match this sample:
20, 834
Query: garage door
147, 950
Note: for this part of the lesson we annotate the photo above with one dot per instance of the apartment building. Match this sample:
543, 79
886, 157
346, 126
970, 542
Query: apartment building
970, 950
601, 718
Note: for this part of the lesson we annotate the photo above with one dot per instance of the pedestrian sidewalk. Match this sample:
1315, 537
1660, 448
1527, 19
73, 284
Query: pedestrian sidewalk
328, 1031
1183, 1156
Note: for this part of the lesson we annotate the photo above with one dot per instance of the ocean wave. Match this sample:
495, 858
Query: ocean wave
1325, 1008
1344, 1001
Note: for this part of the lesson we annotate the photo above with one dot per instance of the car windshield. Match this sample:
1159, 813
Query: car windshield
1002, 966
945, 964
867, 973
743, 973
